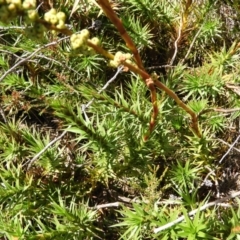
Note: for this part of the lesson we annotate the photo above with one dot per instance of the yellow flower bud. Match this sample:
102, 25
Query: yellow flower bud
51, 14
29, 4
74, 37
77, 41
18, 3
61, 25
128, 56
52, 11
53, 19
32, 15
95, 41
12, 7
85, 33
61, 16
113, 64
118, 55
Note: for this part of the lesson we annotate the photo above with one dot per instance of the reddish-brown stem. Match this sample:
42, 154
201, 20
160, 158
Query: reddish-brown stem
100, 50
106, 7
180, 103
170, 93
150, 84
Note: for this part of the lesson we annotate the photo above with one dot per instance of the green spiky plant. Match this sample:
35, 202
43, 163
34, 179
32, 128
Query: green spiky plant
73, 147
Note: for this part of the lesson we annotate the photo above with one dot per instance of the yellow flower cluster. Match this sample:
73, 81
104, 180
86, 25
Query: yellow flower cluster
119, 58
28, 4
79, 42
95, 41
56, 18
9, 9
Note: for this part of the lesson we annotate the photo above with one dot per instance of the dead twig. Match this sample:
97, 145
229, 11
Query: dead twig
229, 145
30, 162
107, 205
85, 106
29, 57
191, 45
176, 42
193, 212
230, 148
3, 114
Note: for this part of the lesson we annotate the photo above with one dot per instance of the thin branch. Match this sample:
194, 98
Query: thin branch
57, 62
12, 27
161, 66
3, 114
193, 212
226, 110
9, 52
107, 205
231, 147
29, 56
221, 110
176, 42
85, 106
111, 80
30, 162
146, 77
118, 204
191, 45
166, 66
166, 202
224, 205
